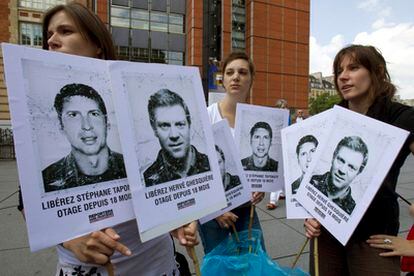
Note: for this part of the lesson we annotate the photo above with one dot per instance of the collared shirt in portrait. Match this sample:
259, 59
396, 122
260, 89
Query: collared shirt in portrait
270, 166
230, 181
323, 184
65, 174
296, 184
161, 171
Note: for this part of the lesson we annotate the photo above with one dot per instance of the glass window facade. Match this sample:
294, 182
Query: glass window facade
163, 31
40, 4
238, 39
30, 34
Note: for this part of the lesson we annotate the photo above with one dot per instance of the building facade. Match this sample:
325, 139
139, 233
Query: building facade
319, 85
274, 33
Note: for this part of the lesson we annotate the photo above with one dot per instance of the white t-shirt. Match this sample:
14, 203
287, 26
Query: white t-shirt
152, 258
215, 116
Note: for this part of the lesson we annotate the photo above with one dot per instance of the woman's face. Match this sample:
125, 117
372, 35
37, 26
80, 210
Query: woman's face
63, 36
237, 78
353, 80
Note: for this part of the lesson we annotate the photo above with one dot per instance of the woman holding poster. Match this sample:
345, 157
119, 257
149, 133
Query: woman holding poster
73, 29
238, 71
364, 84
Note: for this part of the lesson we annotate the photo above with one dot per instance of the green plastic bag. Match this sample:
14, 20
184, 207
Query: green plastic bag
245, 257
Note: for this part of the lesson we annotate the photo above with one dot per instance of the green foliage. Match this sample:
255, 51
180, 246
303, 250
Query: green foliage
322, 103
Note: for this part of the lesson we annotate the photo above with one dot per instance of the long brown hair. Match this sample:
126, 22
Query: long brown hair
89, 25
370, 58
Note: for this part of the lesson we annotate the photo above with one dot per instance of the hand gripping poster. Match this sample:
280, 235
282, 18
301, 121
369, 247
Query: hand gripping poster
70, 161
257, 134
234, 181
299, 144
171, 159
348, 170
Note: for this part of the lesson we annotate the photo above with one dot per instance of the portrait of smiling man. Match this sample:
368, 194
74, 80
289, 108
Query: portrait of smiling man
349, 160
260, 142
171, 122
83, 121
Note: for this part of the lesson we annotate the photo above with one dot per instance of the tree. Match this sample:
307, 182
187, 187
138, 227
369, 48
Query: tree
322, 103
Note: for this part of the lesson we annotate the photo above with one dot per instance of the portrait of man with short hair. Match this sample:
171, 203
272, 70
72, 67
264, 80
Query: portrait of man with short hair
83, 121
260, 142
304, 150
229, 181
349, 160
171, 122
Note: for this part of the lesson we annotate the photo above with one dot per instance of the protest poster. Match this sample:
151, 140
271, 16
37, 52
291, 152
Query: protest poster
171, 162
348, 170
69, 157
233, 179
257, 134
299, 144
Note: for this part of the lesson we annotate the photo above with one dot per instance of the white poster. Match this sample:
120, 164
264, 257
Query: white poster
348, 170
69, 157
257, 134
299, 144
233, 179
171, 160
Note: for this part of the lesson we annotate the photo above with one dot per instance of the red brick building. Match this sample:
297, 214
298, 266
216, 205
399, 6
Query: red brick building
276, 36
275, 33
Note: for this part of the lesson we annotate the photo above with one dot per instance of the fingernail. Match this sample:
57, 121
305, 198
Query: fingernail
128, 252
116, 236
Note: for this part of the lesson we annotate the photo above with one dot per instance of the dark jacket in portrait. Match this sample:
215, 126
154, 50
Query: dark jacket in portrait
382, 216
323, 183
161, 171
231, 181
248, 165
65, 174
296, 184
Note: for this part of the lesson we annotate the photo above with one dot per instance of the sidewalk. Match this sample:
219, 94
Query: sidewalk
283, 237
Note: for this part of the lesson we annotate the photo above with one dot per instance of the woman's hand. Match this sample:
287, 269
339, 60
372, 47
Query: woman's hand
257, 197
97, 247
398, 246
226, 219
312, 227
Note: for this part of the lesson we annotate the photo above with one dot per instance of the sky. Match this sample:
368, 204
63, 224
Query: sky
385, 24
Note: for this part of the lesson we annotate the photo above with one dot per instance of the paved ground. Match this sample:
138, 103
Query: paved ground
283, 237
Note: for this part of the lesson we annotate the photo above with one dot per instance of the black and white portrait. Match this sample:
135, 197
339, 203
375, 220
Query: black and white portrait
351, 161
229, 181
261, 135
172, 162
68, 151
348, 161
171, 122
83, 121
170, 140
300, 144
233, 178
305, 149
74, 127
258, 136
